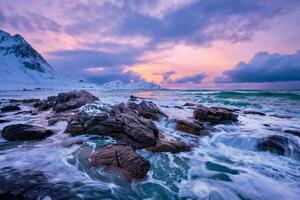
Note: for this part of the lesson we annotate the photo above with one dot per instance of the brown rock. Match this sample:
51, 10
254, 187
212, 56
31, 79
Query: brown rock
214, 115
123, 158
189, 126
166, 143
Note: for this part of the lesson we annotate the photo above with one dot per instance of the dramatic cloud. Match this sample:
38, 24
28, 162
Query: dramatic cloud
265, 67
198, 78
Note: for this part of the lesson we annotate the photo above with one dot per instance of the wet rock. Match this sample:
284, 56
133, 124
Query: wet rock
24, 112
149, 110
2, 121
61, 116
71, 100
31, 101
46, 103
274, 144
190, 104
169, 144
133, 98
252, 112
10, 108
293, 132
178, 107
123, 121
214, 115
25, 132
282, 116
228, 109
123, 158
189, 126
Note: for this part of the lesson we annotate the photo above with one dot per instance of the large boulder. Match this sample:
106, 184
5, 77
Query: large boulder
72, 100
122, 121
148, 110
214, 115
166, 143
274, 144
123, 158
10, 108
25, 132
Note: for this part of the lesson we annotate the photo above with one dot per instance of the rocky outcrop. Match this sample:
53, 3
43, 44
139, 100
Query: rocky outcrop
166, 143
126, 121
71, 100
190, 126
274, 144
214, 115
25, 132
122, 158
10, 108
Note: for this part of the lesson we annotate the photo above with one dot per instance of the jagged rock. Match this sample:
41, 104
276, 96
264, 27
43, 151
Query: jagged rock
72, 100
252, 112
123, 158
46, 103
61, 116
190, 126
10, 108
133, 98
25, 132
293, 132
149, 110
274, 144
169, 144
123, 121
214, 115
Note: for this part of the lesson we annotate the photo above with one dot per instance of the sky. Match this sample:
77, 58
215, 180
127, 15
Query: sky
192, 44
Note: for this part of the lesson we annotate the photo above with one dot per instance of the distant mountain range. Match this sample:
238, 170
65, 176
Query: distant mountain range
22, 67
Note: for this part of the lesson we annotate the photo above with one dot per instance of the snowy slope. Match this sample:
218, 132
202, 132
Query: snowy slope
120, 85
21, 66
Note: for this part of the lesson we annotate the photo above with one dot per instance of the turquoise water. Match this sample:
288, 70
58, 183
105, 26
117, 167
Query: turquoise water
223, 165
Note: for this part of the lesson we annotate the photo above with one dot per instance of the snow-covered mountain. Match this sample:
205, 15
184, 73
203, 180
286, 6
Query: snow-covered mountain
120, 85
21, 66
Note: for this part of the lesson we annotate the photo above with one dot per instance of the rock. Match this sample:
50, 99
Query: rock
72, 100
190, 104
282, 116
228, 109
293, 132
169, 144
214, 115
31, 101
149, 110
2, 121
251, 112
123, 158
61, 116
178, 107
133, 98
46, 104
274, 144
25, 132
123, 121
10, 108
189, 126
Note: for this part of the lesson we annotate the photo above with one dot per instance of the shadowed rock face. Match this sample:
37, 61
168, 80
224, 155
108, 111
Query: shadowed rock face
123, 158
25, 132
274, 144
214, 115
10, 108
126, 121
